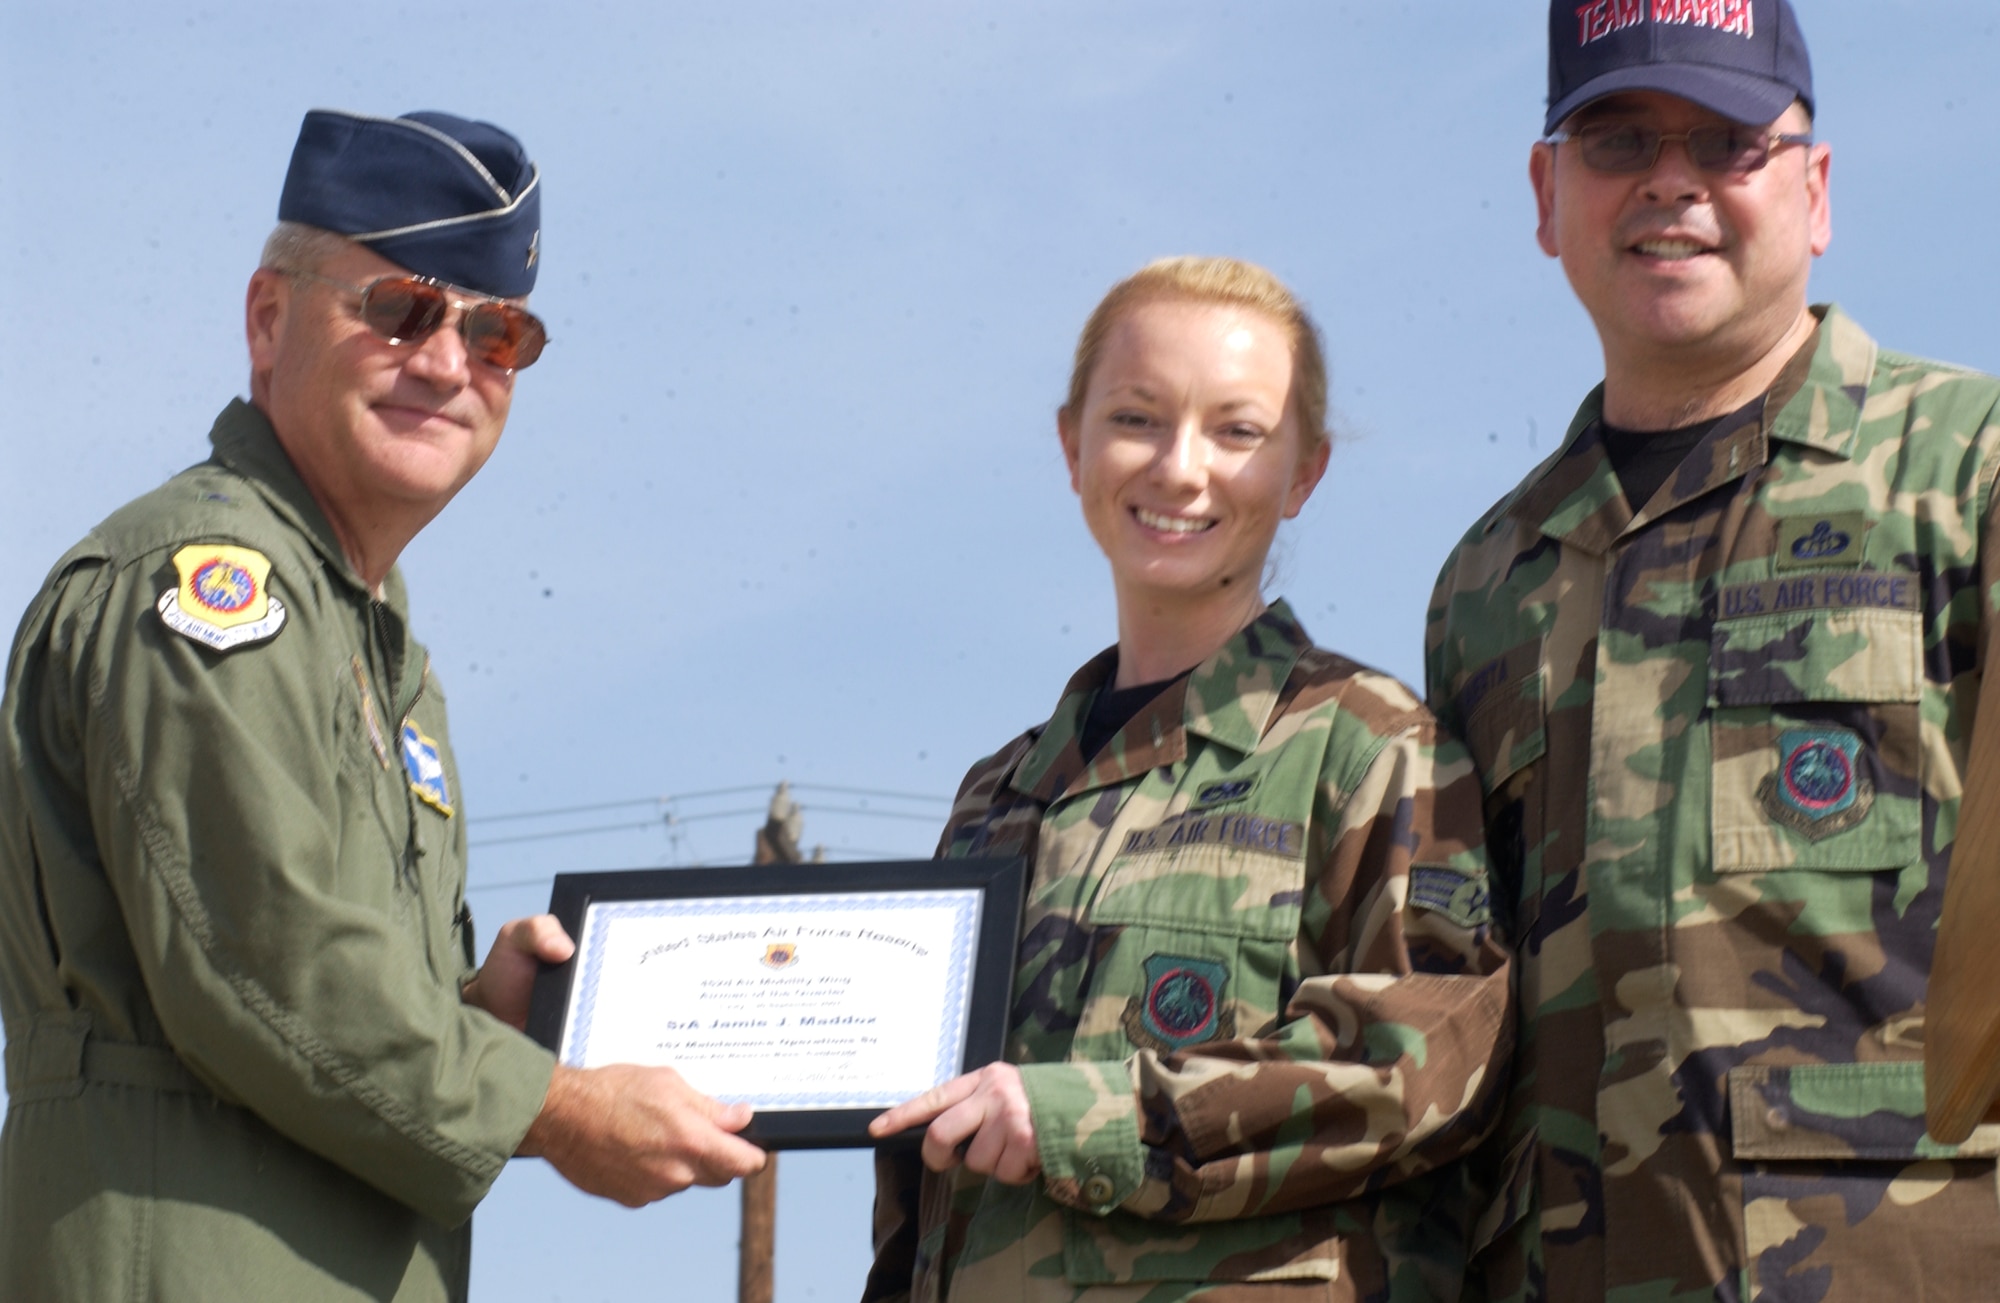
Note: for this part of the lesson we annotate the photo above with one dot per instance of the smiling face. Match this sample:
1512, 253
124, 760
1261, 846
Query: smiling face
1677, 262
376, 430
1187, 452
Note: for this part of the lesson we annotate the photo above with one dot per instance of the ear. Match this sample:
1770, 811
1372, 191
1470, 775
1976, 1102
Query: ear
1819, 167
1542, 176
1306, 478
1071, 435
265, 306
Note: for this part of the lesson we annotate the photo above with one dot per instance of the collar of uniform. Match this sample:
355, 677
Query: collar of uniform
1574, 496
1727, 452
1229, 698
1820, 403
1055, 760
1232, 695
245, 442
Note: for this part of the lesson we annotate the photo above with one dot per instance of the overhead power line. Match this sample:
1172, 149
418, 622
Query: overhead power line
847, 853
654, 822
672, 819
599, 807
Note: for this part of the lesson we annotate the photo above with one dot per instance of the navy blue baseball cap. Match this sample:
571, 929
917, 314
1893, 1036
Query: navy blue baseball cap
440, 195
1744, 59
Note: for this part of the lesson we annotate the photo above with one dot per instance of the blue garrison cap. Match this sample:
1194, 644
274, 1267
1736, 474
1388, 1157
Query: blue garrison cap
440, 195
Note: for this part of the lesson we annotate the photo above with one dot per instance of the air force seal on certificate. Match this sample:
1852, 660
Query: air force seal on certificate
224, 599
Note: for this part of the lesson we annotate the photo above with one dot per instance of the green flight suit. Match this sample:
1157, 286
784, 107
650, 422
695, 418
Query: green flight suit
233, 930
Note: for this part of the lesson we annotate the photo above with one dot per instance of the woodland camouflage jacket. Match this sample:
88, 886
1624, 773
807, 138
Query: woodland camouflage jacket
1722, 739
1258, 1001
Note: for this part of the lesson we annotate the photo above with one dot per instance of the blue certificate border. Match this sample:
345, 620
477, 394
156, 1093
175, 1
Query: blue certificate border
963, 902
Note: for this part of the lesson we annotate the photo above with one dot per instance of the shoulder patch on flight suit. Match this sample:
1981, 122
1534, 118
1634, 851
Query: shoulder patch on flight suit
426, 769
224, 598
1461, 897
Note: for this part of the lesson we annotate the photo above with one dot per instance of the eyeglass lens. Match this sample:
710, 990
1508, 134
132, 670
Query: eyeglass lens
404, 310
1629, 147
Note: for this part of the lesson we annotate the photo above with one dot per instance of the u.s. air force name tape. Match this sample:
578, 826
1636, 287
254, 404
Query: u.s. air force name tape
224, 598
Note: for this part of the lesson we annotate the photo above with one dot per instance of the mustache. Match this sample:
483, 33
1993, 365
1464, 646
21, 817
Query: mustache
1684, 223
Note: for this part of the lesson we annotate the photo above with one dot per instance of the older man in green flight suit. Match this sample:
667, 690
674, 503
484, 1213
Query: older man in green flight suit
248, 1053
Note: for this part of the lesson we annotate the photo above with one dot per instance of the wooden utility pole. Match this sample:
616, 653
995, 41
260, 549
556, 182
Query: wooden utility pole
777, 843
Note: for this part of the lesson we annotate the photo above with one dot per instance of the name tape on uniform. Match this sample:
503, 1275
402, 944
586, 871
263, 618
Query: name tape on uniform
1249, 832
1864, 590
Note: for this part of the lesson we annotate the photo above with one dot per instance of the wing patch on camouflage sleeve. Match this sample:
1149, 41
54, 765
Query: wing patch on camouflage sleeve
1461, 897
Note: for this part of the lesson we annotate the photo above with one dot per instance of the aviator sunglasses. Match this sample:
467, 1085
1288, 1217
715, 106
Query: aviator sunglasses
406, 309
1730, 149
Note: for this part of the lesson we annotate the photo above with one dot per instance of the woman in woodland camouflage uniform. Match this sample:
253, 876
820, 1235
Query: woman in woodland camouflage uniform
1259, 1008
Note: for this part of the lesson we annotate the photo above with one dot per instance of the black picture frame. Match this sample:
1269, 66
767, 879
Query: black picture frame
1002, 883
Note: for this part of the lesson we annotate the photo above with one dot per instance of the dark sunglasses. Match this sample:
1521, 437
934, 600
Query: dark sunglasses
1732, 149
406, 309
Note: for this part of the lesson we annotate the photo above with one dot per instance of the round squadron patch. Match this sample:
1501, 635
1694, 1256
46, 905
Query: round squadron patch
781, 954
1818, 789
1182, 1005
223, 599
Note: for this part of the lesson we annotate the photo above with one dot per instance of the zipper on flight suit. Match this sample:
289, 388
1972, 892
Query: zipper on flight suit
378, 637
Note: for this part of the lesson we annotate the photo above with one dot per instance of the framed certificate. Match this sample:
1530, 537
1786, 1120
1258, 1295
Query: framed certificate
817, 994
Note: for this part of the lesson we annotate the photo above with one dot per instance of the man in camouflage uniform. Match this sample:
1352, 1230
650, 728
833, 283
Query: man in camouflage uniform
1715, 660
1258, 1002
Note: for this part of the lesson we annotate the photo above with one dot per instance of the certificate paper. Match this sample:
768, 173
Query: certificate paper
817, 994
781, 1002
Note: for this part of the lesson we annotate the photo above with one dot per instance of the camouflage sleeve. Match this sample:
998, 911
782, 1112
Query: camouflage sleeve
1388, 1059
899, 1171
1988, 507
1440, 658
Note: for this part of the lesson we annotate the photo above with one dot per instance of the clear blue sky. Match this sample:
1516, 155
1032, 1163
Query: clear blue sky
784, 500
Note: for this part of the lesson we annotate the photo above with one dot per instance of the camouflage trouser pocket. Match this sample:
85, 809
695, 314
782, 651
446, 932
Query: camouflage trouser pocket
1866, 1232
1816, 742
1318, 1247
1846, 1200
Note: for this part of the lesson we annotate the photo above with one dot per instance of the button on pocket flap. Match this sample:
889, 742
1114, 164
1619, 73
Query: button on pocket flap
1824, 1111
1230, 873
1820, 637
1502, 708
